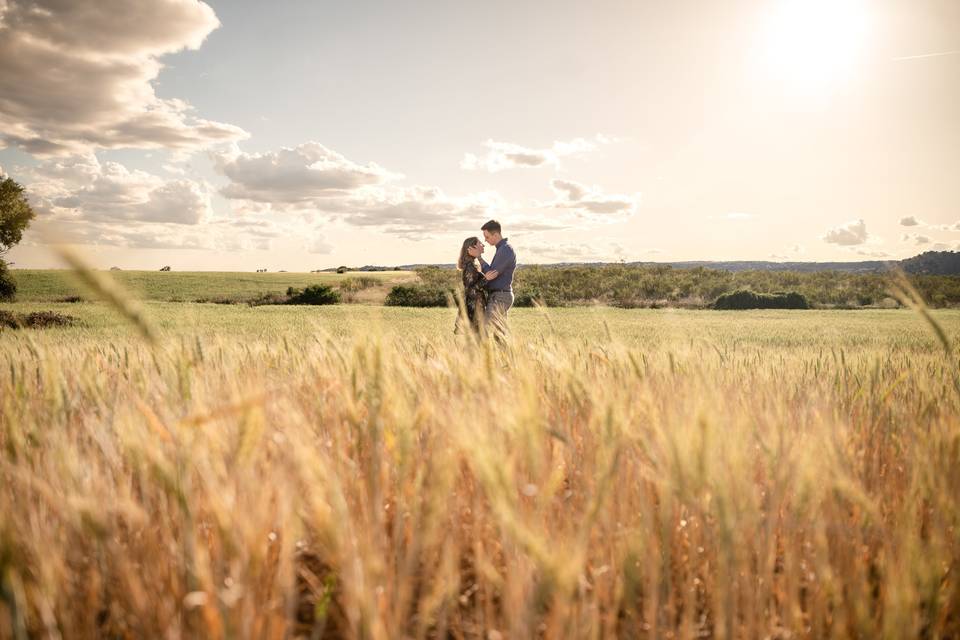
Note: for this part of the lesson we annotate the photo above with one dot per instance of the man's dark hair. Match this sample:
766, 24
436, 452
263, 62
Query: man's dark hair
492, 226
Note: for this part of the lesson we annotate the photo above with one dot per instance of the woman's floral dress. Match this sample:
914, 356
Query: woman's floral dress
474, 295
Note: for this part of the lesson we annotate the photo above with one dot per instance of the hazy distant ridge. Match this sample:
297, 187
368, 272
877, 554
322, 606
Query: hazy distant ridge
930, 262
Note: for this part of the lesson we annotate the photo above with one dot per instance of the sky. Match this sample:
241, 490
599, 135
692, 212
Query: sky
301, 135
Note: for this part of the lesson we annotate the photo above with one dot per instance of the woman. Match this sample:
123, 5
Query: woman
474, 283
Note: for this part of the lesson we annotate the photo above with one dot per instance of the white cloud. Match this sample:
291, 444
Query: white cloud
946, 227
312, 179
591, 200
416, 212
530, 224
82, 188
849, 234
916, 238
301, 175
872, 254
80, 200
46, 230
910, 221
174, 169
507, 155
77, 76
318, 244
573, 252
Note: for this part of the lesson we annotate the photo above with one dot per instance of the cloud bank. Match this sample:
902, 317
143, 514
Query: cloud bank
77, 76
501, 156
591, 200
312, 179
305, 174
848, 235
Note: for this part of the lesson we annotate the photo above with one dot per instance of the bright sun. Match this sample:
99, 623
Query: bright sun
809, 47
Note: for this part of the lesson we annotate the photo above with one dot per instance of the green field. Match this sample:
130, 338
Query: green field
640, 328
355, 470
188, 286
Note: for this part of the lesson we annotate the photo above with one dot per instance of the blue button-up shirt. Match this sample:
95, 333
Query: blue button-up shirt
504, 262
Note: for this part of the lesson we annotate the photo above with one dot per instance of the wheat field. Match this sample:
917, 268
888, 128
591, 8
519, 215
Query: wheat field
363, 473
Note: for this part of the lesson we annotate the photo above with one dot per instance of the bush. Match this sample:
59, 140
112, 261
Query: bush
746, 299
164, 268
528, 298
35, 320
437, 278
8, 288
314, 294
632, 286
416, 296
353, 285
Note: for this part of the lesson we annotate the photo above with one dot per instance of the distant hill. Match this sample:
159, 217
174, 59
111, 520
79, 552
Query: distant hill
935, 263
930, 262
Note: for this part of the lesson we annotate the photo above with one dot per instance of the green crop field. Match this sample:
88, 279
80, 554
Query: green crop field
640, 328
361, 471
188, 286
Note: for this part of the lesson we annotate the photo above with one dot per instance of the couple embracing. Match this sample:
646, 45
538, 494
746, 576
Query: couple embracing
487, 287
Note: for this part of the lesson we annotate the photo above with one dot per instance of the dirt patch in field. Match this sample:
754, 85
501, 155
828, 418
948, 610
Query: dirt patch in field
35, 320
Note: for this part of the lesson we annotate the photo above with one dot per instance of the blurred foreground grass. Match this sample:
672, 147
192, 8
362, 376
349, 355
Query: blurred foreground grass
361, 472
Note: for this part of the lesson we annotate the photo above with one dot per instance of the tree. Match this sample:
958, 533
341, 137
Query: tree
15, 216
7, 286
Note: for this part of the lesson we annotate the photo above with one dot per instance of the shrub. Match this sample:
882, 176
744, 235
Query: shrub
220, 300
352, 285
8, 288
267, 298
437, 278
746, 299
44, 319
417, 295
164, 268
314, 294
526, 299
530, 298
35, 320
9, 319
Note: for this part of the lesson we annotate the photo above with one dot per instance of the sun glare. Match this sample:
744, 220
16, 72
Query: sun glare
810, 47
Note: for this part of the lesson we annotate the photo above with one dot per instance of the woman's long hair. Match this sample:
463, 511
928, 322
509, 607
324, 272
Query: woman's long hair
465, 258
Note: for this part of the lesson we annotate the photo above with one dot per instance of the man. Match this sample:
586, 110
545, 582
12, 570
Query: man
499, 275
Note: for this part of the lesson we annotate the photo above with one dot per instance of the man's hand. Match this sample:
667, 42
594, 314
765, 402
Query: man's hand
490, 275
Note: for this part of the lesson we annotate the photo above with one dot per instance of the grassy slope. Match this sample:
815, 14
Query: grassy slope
49, 285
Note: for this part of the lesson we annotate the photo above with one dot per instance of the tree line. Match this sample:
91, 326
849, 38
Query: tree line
631, 286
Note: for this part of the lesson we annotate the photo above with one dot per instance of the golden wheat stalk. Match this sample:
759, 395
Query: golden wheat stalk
110, 291
907, 294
